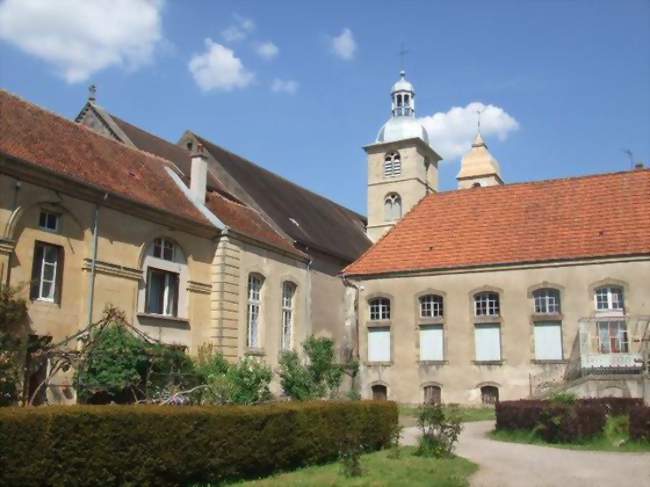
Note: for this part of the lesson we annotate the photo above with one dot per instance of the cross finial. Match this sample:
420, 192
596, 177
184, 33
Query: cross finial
92, 91
402, 55
478, 122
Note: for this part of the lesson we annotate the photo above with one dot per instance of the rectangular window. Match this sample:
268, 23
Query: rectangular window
380, 309
431, 343
487, 338
254, 309
548, 340
486, 304
609, 299
48, 221
547, 301
163, 249
162, 292
47, 271
612, 337
288, 291
379, 345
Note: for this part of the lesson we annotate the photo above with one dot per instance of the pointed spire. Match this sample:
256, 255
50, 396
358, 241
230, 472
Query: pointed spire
478, 141
478, 167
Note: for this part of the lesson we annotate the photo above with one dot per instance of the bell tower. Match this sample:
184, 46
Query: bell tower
402, 166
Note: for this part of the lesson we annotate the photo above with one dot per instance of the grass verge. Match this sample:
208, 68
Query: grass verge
614, 438
408, 414
379, 470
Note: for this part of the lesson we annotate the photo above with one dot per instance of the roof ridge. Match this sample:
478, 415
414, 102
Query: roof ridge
275, 174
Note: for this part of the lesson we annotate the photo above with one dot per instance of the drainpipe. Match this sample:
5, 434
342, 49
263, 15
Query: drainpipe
93, 263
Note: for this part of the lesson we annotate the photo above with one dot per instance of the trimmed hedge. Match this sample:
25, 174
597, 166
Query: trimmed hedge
614, 406
640, 423
167, 445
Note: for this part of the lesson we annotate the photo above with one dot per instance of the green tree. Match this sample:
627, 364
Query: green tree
13, 321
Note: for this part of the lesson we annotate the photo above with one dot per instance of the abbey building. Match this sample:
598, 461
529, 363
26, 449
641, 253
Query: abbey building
489, 291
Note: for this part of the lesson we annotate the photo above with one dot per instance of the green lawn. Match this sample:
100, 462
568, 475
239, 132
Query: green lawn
408, 413
614, 438
379, 470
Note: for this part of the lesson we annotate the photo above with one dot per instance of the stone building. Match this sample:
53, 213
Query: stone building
497, 290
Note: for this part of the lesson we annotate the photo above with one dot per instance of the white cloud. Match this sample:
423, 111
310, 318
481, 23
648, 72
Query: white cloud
219, 69
239, 30
284, 86
451, 133
267, 50
81, 37
344, 45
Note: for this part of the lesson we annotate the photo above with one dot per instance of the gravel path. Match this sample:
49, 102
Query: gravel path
514, 465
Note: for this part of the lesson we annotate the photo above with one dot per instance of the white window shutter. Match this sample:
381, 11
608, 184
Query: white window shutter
488, 342
379, 345
431, 343
548, 340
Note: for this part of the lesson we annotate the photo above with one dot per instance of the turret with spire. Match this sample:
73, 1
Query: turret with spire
478, 167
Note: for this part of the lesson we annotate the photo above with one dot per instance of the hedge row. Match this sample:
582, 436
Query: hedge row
640, 423
166, 445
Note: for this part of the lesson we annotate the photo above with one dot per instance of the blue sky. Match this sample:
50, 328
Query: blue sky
568, 82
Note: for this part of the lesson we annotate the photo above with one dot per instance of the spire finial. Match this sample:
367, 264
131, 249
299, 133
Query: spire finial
92, 91
402, 56
478, 121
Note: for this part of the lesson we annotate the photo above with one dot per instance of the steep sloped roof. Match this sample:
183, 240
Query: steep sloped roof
574, 218
310, 219
37, 136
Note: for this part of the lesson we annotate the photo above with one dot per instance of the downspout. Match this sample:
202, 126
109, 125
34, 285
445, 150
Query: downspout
93, 263
17, 187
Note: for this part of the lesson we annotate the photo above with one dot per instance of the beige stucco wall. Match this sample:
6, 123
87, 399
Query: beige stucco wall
459, 377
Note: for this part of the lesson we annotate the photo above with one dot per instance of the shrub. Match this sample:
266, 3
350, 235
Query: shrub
149, 445
562, 423
13, 317
518, 415
614, 406
320, 376
440, 430
640, 423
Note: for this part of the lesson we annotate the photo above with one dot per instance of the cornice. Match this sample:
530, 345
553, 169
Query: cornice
109, 268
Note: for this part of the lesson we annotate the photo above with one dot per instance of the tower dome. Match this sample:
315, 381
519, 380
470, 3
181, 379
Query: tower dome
402, 124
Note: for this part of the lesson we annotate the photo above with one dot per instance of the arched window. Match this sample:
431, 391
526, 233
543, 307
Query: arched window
486, 304
379, 309
609, 298
165, 270
255, 282
432, 394
431, 306
392, 207
392, 165
489, 395
547, 301
379, 392
288, 293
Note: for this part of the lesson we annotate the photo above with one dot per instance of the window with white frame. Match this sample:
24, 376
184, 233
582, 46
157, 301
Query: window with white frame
162, 292
379, 309
47, 269
487, 340
609, 298
392, 207
431, 306
547, 301
392, 165
486, 304
612, 337
548, 340
288, 292
163, 249
255, 282
48, 221
431, 343
378, 344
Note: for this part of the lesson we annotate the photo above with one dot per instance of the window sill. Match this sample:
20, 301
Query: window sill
255, 352
486, 319
546, 317
172, 320
487, 362
378, 324
379, 364
433, 362
431, 321
45, 302
548, 361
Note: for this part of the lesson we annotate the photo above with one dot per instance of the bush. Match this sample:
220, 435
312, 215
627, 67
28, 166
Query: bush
614, 406
150, 445
640, 423
13, 317
440, 431
562, 423
519, 415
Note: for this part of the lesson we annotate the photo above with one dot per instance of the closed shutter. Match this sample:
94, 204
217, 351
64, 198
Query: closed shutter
487, 338
548, 340
379, 345
431, 344
58, 290
36, 271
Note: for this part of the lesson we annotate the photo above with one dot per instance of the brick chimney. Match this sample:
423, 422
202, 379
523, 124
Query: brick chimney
199, 176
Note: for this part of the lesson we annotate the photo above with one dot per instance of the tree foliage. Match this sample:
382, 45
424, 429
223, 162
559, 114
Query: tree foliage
13, 320
318, 377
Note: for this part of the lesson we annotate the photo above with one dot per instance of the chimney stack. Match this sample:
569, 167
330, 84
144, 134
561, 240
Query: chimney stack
199, 176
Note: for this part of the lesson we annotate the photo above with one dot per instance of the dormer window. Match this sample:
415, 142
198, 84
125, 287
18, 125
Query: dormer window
609, 298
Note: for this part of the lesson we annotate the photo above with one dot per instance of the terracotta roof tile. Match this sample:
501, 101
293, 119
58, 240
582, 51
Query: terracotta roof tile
37, 136
574, 218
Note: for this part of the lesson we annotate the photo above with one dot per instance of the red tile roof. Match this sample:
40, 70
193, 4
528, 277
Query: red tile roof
36, 136
575, 218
